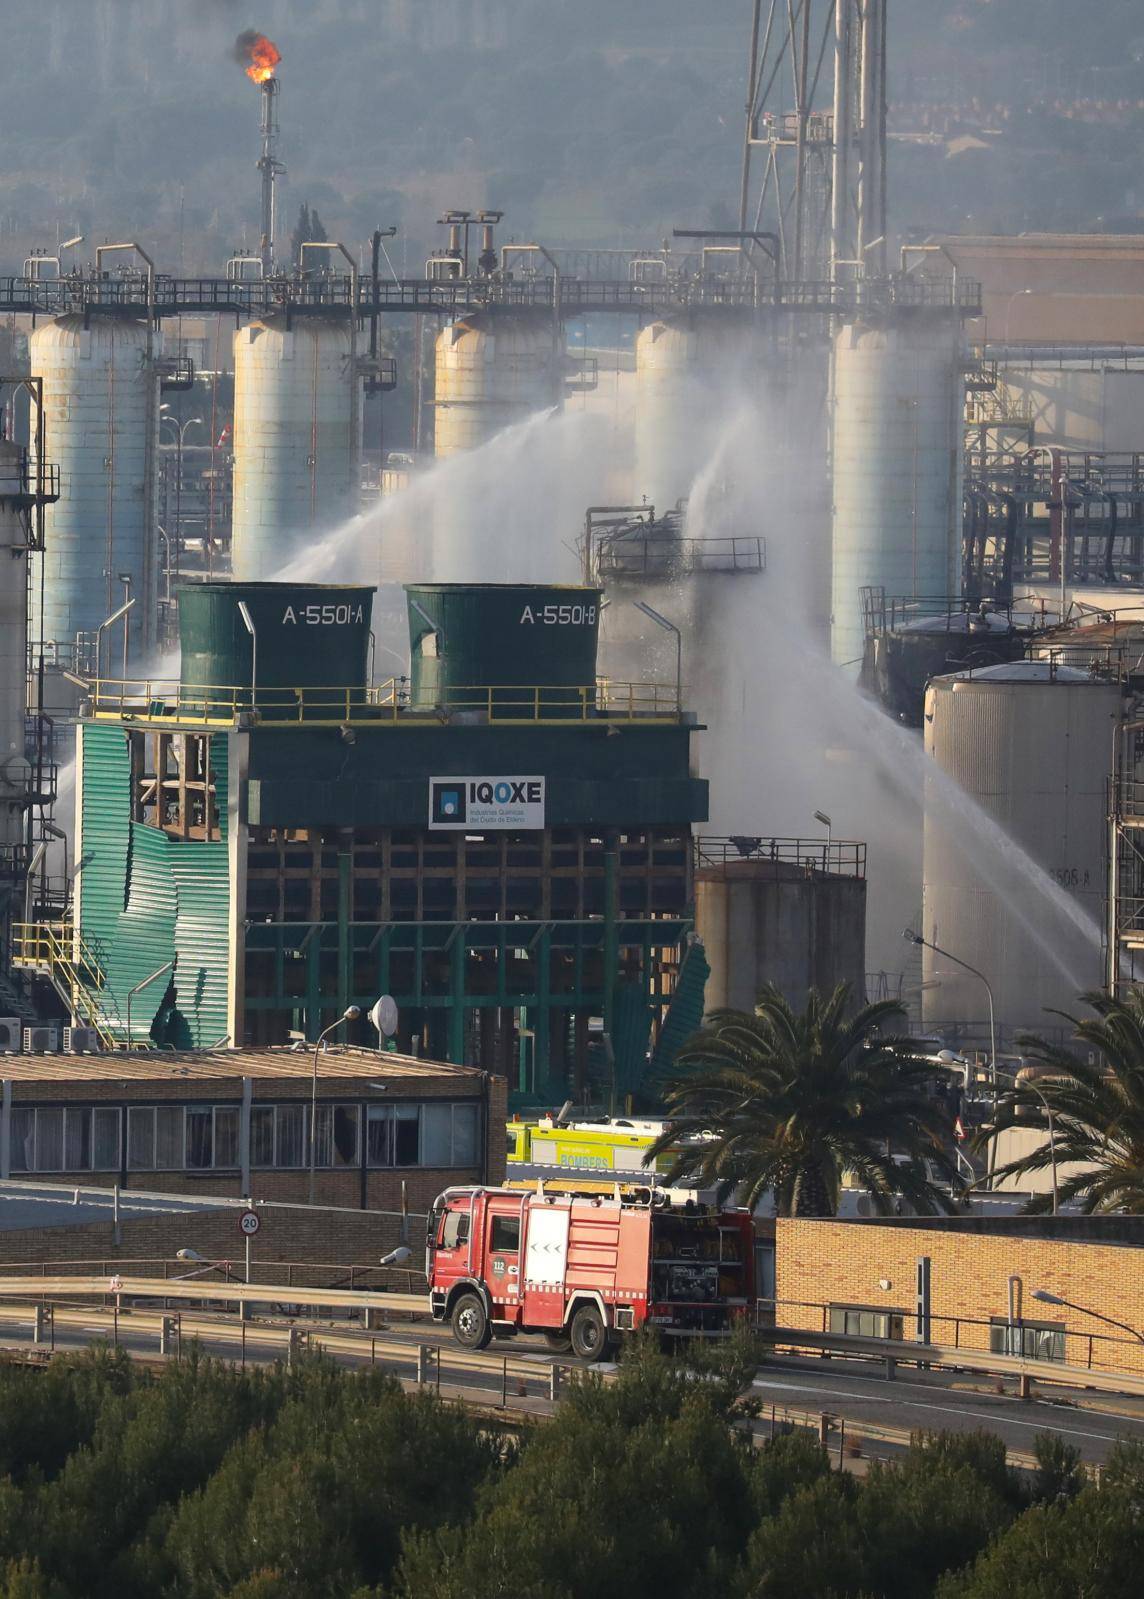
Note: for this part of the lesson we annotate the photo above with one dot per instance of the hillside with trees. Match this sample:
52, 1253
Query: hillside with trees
586, 123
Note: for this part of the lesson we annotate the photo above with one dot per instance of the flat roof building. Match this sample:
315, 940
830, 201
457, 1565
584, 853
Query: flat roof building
390, 1130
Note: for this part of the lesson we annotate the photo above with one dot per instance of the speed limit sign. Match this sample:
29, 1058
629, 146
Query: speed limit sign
249, 1223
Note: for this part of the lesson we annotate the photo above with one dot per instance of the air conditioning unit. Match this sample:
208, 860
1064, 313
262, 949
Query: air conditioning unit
41, 1040
81, 1041
11, 1035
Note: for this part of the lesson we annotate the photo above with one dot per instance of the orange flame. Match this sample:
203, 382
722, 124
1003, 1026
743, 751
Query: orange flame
259, 55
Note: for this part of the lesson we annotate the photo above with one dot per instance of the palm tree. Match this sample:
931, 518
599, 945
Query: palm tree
1097, 1109
794, 1099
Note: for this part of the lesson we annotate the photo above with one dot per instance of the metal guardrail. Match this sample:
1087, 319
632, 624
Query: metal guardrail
23, 482
199, 1287
666, 558
332, 294
837, 856
57, 950
1026, 1368
167, 700
953, 1338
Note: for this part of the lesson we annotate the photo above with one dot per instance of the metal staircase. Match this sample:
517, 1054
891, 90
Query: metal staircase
58, 952
15, 1003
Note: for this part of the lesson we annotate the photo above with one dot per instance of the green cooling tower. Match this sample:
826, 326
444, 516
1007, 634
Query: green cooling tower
513, 649
304, 653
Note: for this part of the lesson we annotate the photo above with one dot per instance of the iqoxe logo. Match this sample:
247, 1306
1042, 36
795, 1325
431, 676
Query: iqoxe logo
482, 804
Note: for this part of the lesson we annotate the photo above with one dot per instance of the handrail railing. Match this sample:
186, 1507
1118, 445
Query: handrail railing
1095, 1351
60, 952
165, 700
839, 857
619, 557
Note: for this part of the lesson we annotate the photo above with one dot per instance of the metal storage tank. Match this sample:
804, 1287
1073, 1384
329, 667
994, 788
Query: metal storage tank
100, 405
493, 369
1031, 744
511, 638
896, 445
778, 921
297, 438
308, 636
14, 768
685, 367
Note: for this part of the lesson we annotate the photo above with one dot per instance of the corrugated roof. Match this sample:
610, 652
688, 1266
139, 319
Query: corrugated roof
164, 1065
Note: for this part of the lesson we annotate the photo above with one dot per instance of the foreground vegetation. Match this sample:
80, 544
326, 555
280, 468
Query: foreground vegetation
1095, 1098
794, 1098
204, 1481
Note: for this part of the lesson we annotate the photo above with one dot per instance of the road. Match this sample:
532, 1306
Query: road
942, 1401
516, 1375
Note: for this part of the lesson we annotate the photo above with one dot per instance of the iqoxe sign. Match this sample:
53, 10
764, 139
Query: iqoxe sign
481, 804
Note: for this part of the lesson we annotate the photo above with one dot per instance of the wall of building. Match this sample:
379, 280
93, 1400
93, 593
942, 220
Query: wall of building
844, 1263
1054, 288
355, 1186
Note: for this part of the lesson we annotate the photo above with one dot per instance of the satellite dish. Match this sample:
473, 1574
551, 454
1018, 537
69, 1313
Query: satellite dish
383, 1015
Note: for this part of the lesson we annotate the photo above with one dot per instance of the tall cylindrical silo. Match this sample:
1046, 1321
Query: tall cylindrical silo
14, 770
770, 921
492, 369
101, 410
1031, 744
896, 446
688, 371
297, 438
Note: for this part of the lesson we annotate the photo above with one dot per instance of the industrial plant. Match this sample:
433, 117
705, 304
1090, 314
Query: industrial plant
823, 621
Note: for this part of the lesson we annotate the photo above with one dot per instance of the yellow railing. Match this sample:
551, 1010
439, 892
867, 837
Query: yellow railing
164, 700
59, 951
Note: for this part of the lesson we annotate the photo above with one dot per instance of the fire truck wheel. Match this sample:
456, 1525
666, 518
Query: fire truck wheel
470, 1323
589, 1335
558, 1341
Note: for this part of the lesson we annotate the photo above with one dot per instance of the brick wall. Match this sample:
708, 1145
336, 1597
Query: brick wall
335, 1240
844, 1262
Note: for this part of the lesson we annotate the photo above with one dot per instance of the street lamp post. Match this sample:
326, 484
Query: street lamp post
128, 582
1047, 1298
350, 1014
821, 816
248, 624
102, 628
916, 938
181, 430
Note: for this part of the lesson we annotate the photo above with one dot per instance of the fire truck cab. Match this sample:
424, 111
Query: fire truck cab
584, 1269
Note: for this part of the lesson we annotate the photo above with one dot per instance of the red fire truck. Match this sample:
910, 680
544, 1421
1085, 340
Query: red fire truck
583, 1269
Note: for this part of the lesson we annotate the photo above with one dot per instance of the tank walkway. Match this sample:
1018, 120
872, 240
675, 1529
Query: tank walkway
334, 295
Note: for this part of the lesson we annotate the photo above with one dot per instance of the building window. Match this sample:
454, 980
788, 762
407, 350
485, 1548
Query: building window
336, 1135
449, 1135
65, 1139
289, 1135
1036, 1340
867, 1321
212, 1137
279, 1136
182, 1137
432, 1134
